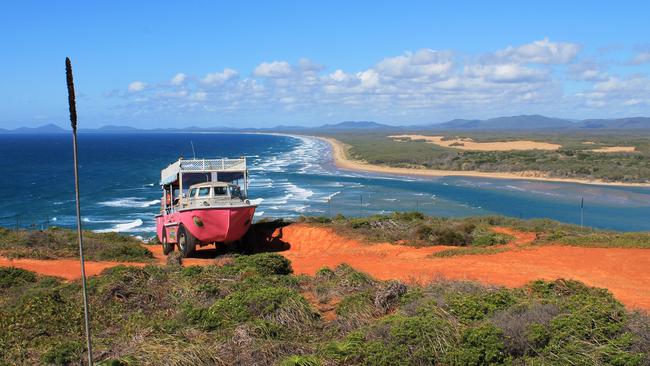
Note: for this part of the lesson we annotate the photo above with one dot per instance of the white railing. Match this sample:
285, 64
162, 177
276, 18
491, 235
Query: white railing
170, 173
200, 165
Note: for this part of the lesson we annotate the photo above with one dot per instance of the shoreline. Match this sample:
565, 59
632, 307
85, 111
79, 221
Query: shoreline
343, 161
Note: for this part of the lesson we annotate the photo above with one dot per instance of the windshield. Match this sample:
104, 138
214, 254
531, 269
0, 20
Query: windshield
235, 192
192, 192
219, 191
204, 191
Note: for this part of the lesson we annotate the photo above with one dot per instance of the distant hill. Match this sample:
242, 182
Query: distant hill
512, 123
632, 123
355, 125
523, 122
45, 129
112, 128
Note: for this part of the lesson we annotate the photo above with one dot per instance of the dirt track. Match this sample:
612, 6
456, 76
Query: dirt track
623, 271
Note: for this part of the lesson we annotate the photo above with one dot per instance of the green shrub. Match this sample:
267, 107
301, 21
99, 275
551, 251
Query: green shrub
315, 219
481, 345
62, 243
467, 251
324, 273
472, 307
191, 271
65, 353
483, 236
300, 361
408, 216
263, 264
356, 306
10, 277
398, 340
277, 304
348, 279
450, 236
526, 327
423, 232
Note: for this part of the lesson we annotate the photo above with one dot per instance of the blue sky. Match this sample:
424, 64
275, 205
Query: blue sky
166, 64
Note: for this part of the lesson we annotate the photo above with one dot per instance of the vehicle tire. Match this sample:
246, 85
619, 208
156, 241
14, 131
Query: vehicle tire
167, 247
234, 246
186, 242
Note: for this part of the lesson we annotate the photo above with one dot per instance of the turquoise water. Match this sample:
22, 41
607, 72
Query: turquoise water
291, 176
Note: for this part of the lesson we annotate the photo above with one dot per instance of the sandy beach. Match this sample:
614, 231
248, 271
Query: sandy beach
343, 161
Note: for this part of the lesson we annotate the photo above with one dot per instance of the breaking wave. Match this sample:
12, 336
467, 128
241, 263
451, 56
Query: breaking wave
130, 202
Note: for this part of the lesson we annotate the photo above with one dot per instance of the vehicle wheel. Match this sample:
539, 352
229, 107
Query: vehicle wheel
234, 246
167, 247
186, 242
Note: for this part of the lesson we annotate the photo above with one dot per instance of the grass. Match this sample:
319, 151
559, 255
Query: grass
62, 243
573, 160
446, 253
252, 311
416, 229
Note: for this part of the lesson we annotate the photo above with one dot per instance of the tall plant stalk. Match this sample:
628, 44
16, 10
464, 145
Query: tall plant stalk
73, 122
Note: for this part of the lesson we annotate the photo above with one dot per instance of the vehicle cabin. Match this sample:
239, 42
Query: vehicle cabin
195, 183
211, 194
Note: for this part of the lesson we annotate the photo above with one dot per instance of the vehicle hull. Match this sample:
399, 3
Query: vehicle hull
207, 225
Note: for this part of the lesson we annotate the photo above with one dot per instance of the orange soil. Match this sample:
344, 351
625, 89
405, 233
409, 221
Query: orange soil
623, 271
70, 269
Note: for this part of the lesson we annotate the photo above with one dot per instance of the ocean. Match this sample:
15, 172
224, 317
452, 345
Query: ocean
290, 176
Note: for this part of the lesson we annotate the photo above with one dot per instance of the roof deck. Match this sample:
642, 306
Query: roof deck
181, 166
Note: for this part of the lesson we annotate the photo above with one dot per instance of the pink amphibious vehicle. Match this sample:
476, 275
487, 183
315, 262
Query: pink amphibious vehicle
203, 203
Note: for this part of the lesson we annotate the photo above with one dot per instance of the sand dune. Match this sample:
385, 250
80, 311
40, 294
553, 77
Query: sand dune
614, 149
469, 144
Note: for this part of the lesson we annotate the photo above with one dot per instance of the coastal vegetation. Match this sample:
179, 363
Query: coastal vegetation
582, 155
56, 242
253, 310
474, 235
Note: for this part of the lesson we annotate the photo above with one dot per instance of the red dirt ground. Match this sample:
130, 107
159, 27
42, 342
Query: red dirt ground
623, 271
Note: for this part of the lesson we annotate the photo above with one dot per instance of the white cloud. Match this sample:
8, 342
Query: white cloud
423, 63
275, 69
369, 79
505, 73
137, 86
642, 57
339, 76
217, 78
199, 96
629, 91
587, 71
178, 79
542, 52
538, 77
307, 65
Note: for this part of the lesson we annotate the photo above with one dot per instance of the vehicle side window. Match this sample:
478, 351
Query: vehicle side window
192, 192
204, 191
219, 191
235, 192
